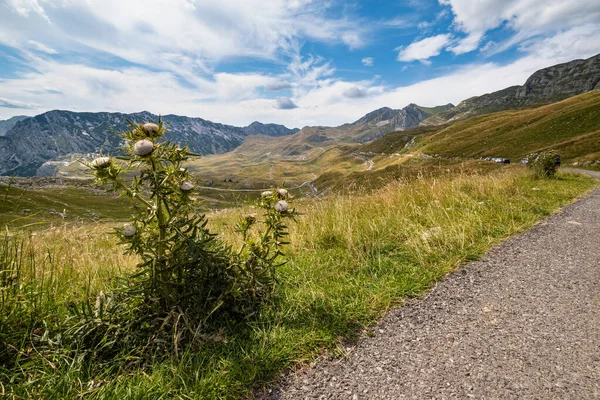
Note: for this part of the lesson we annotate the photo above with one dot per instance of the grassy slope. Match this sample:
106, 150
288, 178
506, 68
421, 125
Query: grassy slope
352, 258
571, 126
80, 203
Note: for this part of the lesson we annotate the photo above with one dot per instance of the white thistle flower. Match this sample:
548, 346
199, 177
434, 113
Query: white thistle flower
186, 186
101, 162
282, 193
266, 193
281, 206
149, 128
143, 147
129, 230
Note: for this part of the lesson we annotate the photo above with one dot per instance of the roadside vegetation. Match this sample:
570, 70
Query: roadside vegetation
351, 257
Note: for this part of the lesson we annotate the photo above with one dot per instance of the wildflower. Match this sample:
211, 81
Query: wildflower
150, 129
281, 206
129, 230
143, 147
186, 186
266, 193
250, 219
282, 193
101, 162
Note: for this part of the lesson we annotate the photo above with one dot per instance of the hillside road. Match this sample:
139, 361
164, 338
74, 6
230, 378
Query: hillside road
521, 323
593, 174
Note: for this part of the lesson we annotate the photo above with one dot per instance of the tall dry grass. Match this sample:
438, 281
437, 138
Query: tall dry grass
351, 258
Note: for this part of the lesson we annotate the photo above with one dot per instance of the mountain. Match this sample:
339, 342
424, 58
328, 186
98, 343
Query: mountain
545, 86
257, 128
6, 125
33, 141
571, 127
403, 119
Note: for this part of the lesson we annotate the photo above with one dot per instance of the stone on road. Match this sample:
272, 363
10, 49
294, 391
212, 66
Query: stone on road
522, 323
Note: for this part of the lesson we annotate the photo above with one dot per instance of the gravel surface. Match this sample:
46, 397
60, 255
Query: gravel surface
593, 174
522, 323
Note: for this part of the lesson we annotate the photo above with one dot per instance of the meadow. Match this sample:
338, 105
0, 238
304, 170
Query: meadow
351, 258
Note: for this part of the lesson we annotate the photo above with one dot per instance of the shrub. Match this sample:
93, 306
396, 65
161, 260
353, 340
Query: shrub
544, 164
189, 283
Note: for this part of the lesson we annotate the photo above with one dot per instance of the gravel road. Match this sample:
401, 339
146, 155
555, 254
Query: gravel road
593, 174
522, 323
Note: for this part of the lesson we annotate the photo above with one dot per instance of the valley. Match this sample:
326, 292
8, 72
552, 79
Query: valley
389, 205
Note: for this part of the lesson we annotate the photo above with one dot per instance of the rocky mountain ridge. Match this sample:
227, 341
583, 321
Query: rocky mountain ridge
33, 141
545, 86
6, 125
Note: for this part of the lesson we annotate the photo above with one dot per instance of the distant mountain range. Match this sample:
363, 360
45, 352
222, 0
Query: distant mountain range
26, 143
30, 142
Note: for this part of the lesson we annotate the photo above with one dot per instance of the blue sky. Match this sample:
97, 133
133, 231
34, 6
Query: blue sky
296, 62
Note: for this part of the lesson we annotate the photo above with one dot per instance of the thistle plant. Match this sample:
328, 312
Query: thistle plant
188, 279
544, 164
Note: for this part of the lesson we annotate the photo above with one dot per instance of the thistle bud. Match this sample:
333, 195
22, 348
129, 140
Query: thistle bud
281, 206
101, 162
129, 230
186, 186
150, 129
250, 219
282, 193
266, 193
143, 147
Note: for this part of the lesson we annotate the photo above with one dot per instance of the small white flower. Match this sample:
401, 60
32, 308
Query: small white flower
281, 206
101, 162
129, 230
267, 193
149, 128
282, 193
186, 186
143, 147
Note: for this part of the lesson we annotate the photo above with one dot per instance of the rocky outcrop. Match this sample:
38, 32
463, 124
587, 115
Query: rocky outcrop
560, 81
34, 141
545, 86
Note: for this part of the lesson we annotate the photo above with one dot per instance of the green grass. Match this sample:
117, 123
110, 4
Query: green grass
39, 206
571, 126
352, 258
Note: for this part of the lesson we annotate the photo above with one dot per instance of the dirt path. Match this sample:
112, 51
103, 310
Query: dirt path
522, 323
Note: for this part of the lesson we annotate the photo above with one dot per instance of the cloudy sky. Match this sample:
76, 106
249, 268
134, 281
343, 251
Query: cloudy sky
295, 62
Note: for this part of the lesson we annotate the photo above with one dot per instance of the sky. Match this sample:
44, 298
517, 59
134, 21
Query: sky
293, 62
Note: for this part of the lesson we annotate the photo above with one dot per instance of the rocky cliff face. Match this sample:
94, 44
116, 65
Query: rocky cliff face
545, 86
33, 141
6, 125
560, 81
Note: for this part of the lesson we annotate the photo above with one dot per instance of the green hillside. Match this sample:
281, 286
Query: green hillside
571, 126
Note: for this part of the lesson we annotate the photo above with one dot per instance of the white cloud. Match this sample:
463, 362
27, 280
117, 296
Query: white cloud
32, 44
424, 49
368, 61
467, 44
8, 103
527, 18
187, 37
